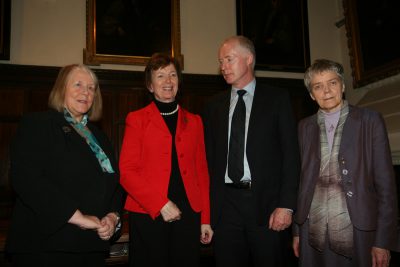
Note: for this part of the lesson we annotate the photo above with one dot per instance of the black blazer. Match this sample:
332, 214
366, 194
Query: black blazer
54, 172
272, 151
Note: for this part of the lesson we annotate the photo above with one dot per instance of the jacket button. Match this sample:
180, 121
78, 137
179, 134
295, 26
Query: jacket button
181, 155
184, 172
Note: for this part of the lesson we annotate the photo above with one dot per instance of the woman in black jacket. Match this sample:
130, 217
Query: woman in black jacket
66, 179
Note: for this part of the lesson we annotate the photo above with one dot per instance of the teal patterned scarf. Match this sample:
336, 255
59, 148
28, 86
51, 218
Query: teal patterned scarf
81, 128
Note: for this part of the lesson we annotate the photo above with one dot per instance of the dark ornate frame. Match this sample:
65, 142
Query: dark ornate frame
279, 30
5, 25
372, 39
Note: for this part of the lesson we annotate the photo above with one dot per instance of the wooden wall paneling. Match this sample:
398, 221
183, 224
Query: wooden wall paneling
11, 109
106, 122
302, 104
195, 101
37, 100
12, 102
196, 89
7, 132
128, 100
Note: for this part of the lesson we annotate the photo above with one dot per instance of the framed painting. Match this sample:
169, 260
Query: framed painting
129, 32
5, 25
279, 31
373, 39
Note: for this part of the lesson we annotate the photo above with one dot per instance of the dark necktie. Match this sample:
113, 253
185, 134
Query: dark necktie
236, 141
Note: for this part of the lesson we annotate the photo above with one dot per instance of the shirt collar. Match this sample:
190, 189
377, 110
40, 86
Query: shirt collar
250, 88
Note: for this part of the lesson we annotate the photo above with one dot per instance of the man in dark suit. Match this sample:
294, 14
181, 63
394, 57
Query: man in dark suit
253, 173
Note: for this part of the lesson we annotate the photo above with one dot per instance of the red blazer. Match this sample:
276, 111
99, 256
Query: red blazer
145, 161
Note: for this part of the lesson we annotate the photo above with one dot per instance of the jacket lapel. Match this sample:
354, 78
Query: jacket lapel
75, 141
312, 133
313, 151
156, 118
222, 118
351, 126
255, 117
182, 121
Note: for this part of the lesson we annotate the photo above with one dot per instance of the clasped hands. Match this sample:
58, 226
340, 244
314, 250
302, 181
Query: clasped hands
105, 227
170, 212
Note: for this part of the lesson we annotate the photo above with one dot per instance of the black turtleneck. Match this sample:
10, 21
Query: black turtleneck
170, 120
176, 189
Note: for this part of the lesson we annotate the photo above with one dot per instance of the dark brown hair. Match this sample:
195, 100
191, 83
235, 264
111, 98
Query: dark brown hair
158, 61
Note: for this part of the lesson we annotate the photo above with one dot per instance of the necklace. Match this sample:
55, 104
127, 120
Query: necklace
170, 113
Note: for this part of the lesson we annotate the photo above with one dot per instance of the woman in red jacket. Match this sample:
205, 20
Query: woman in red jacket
164, 171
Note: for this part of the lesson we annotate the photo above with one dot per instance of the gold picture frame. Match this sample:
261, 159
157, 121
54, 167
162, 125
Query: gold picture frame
128, 32
372, 39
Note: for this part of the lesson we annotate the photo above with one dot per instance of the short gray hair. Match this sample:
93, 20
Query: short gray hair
321, 65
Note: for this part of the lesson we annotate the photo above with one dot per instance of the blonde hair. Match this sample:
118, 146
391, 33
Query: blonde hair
57, 94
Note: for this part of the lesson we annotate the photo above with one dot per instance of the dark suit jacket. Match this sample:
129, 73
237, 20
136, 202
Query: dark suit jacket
366, 168
54, 172
272, 151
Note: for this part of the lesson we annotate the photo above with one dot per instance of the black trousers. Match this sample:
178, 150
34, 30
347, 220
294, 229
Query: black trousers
59, 259
158, 243
240, 241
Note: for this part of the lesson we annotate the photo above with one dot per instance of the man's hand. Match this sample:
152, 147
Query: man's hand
280, 219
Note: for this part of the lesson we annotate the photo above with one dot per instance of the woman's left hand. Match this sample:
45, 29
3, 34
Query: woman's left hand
206, 234
107, 228
380, 257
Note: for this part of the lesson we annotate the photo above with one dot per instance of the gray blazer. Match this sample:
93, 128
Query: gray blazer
367, 173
